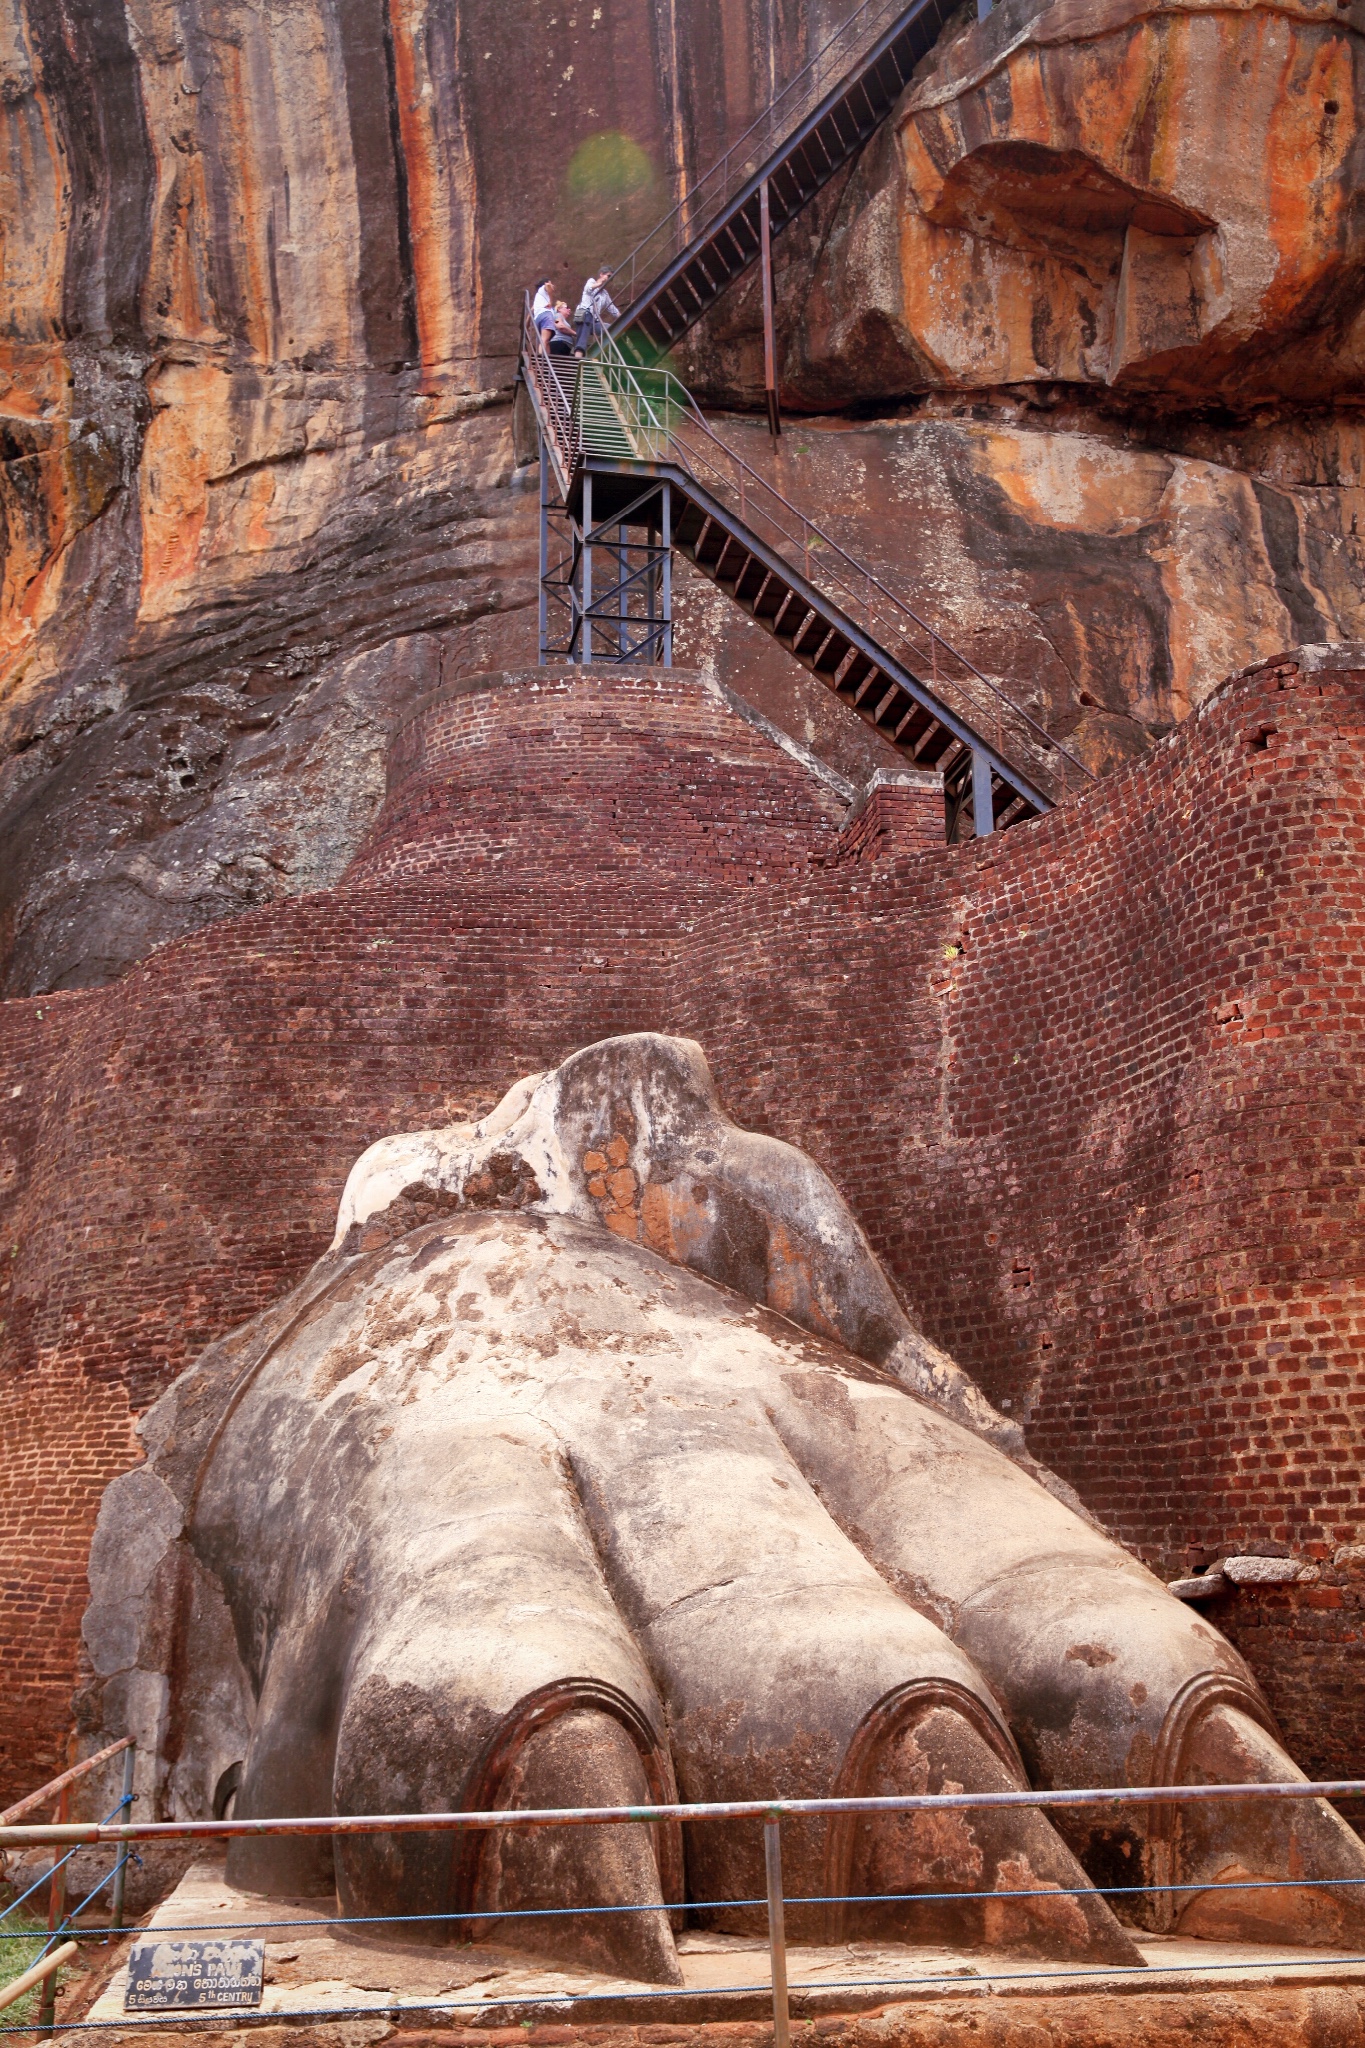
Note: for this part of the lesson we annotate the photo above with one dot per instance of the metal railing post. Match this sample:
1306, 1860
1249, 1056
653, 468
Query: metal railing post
622, 591
585, 643
777, 1936
56, 1896
130, 1754
983, 806
667, 534
543, 614
769, 331
56, 1913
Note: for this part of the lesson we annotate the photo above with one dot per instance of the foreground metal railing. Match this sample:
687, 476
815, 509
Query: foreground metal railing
771, 1814
58, 1948
709, 194
621, 413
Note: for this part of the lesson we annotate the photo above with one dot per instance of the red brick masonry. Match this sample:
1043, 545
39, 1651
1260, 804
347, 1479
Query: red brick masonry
1094, 1088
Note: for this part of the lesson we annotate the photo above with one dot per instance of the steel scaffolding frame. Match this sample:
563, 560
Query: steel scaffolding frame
606, 586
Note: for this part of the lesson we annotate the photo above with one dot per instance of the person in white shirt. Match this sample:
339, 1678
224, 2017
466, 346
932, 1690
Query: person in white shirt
594, 310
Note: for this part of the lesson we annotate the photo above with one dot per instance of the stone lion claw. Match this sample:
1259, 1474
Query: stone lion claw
597, 1463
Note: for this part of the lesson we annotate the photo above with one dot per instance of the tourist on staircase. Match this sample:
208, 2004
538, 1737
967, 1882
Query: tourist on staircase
551, 319
594, 310
557, 333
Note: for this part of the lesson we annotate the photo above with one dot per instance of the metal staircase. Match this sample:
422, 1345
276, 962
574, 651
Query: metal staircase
630, 472
819, 120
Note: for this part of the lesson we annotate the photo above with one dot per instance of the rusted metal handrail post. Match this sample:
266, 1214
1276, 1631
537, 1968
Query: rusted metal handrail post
56, 1913
56, 1893
777, 1933
666, 542
125, 1804
542, 614
769, 321
585, 575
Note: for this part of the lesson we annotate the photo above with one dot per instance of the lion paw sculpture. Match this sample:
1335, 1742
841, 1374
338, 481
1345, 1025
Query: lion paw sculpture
598, 1463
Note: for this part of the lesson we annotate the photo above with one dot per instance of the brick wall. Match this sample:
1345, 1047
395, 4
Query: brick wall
539, 771
896, 813
1093, 1088
1098, 1097
1307, 1642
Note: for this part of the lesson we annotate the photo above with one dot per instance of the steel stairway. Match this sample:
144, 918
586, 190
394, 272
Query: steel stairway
819, 120
626, 452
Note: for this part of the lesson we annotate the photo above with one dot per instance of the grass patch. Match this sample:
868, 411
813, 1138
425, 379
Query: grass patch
15, 1958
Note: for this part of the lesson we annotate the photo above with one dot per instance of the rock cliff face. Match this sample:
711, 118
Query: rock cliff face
1107, 254
1099, 280
1120, 194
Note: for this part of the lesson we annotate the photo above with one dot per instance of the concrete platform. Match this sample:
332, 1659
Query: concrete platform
357, 1987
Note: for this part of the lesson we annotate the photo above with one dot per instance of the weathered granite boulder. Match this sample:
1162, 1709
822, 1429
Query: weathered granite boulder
597, 1460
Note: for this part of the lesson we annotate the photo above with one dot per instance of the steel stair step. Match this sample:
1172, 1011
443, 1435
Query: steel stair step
828, 653
888, 702
688, 525
810, 621
749, 582
769, 599
855, 677
729, 570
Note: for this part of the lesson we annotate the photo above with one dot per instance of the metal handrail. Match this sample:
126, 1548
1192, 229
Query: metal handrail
662, 421
702, 201
453, 1820
622, 412
771, 1812
55, 1786
58, 1953
547, 395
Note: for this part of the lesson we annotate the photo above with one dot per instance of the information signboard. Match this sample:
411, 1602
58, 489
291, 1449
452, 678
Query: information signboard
165, 1975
